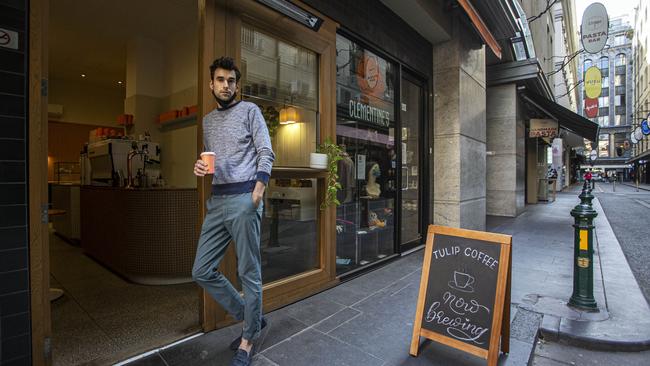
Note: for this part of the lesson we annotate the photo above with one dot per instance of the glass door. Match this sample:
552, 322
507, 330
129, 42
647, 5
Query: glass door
412, 160
365, 128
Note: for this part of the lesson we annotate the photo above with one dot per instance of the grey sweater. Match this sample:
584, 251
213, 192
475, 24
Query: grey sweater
238, 136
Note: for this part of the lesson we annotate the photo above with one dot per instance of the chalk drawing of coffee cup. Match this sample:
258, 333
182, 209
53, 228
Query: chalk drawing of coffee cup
462, 282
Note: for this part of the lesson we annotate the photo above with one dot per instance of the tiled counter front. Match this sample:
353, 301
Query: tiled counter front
147, 236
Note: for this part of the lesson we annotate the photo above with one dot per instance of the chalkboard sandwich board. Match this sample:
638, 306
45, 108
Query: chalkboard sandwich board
464, 299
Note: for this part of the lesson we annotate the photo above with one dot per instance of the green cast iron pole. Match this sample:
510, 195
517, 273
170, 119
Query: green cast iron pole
583, 253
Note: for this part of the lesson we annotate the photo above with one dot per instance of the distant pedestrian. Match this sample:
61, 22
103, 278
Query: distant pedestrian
237, 135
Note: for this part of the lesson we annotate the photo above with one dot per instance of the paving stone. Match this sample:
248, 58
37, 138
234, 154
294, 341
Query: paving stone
337, 319
313, 309
525, 325
314, 348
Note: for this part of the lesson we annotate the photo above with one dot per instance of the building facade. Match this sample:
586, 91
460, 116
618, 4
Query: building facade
615, 103
641, 111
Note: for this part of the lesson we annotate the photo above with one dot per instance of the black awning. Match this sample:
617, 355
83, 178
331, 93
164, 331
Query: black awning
643, 155
567, 119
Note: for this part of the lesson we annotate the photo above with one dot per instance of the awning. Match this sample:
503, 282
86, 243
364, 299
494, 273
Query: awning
644, 155
526, 73
481, 27
567, 119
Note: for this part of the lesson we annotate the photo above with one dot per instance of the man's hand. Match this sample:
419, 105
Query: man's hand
201, 168
258, 193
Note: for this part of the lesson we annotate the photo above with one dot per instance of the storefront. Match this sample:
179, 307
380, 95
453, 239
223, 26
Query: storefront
349, 79
314, 84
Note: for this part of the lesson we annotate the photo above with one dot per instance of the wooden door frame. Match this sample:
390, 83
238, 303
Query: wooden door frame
39, 257
220, 23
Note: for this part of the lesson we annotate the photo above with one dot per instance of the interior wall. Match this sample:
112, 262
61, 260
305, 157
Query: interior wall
65, 141
178, 154
181, 68
180, 90
86, 103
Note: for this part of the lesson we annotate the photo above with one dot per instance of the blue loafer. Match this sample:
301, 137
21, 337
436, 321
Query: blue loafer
242, 358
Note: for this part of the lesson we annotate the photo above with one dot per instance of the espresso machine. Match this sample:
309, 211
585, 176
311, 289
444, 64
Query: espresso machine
109, 161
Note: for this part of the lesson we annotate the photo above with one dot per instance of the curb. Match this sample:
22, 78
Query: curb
598, 335
633, 186
550, 330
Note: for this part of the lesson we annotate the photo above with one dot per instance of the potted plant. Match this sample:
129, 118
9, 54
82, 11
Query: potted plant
272, 118
327, 156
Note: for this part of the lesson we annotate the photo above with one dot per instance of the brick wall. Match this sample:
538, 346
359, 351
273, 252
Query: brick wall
15, 336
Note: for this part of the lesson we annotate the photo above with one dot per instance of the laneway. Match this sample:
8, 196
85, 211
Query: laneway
628, 212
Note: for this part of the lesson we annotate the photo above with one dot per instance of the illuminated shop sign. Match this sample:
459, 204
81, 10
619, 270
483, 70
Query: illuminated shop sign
593, 82
594, 28
591, 107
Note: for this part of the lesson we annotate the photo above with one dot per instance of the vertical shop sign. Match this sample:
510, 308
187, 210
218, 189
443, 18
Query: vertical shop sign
558, 152
593, 82
595, 27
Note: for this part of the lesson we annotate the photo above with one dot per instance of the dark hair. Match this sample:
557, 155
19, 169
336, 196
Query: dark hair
226, 63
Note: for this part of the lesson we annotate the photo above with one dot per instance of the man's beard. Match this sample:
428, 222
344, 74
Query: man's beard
224, 103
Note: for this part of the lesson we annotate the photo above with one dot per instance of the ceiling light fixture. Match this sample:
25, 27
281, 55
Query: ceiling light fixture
83, 75
294, 12
119, 82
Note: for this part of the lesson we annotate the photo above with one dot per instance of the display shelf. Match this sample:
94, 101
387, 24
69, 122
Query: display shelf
177, 123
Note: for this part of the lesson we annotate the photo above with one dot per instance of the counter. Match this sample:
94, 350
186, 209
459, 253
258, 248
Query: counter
66, 197
148, 236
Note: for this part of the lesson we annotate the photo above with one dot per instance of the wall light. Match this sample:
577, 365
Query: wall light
288, 115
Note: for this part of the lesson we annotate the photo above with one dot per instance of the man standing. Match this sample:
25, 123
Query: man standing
237, 134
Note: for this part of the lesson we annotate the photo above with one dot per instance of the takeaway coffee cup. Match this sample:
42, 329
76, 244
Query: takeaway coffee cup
208, 158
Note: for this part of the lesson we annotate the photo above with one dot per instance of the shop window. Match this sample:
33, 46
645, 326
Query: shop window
603, 146
603, 65
603, 102
619, 80
622, 149
365, 101
603, 121
620, 100
282, 79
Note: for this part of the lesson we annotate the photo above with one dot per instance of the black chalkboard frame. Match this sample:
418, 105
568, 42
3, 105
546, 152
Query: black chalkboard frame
501, 318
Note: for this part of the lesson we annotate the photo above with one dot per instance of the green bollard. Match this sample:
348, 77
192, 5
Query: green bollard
583, 253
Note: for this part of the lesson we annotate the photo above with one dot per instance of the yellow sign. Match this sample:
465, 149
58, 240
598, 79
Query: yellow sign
584, 240
593, 81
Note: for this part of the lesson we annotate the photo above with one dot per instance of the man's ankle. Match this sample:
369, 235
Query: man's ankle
246, 345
